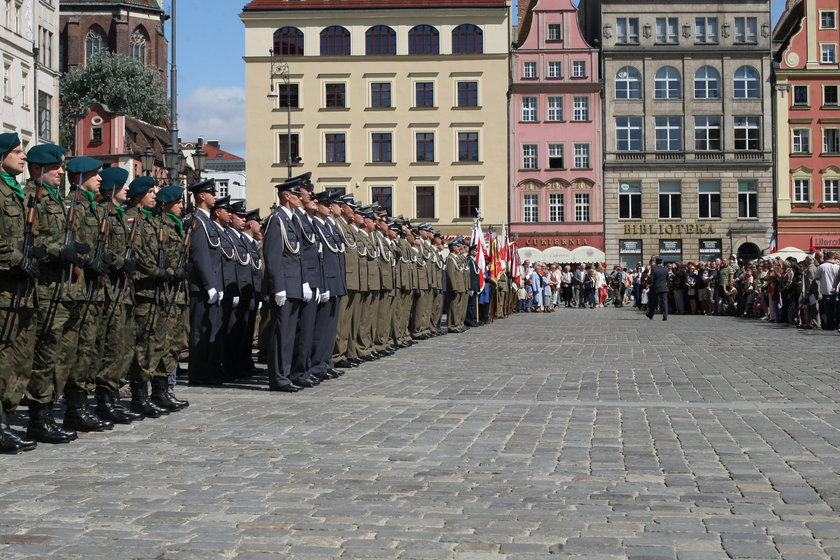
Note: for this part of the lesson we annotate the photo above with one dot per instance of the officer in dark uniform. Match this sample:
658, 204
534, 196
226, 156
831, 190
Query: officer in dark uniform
221, 216
251, 229
233, 360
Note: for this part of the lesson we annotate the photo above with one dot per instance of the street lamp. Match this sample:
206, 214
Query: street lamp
172, 162
280, 69
199, 158
147, 161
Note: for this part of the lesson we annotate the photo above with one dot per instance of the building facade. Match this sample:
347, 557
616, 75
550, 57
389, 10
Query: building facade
555, 133
29, 70
807, 110
227, 169
400, 102
688, 141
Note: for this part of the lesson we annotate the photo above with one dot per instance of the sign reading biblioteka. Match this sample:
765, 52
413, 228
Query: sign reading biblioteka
668, 229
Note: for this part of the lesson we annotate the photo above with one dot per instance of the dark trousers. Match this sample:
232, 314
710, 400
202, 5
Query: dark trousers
281, 342
323, 342
662, 302
206, 322
828, 312
236, 319
471, 319
303, 339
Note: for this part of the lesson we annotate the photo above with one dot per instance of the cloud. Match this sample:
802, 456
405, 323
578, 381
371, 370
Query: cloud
214, 114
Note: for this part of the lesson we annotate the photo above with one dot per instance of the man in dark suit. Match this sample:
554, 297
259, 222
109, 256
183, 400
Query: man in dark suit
250, 231
658, 290
234, 361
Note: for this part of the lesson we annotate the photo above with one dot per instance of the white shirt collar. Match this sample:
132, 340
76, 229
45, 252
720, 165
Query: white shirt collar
286, 211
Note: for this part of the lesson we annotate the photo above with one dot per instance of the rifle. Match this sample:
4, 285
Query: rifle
99, 253
175, 290
161, 259
126, 276
70, 241
27, 289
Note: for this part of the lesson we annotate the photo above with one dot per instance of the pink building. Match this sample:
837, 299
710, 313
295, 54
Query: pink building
555, 138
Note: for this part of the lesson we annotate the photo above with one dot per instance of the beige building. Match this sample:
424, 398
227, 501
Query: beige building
688, 129
399, 102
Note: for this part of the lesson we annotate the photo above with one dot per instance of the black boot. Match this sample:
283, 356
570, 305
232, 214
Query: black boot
105, 407
10, 442
118, 405
78, 417
140, 402
42, 426
163, 398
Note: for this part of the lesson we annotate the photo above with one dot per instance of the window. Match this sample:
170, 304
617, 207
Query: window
423, 39
288, 153
831, 140
530, 208
667, 31
46, 47
529, 70
580, 109
380, 39
801, 140
747, 199
555, 69
529, 109
335, 41
670, 250
706, 83
800, 96
96, 135
424, 94
746, 83
529, 156
706, 30
581, 207
381, 148
44, 115
801, 191
555, 32
335, 95
628, 134
707, 134
668, 133
94, 42
581, 156
828, 19
425, 197
555, 109
630, 252
287, 95
708, 200
24, 89
670, 199
627, 31
630, 200
7, 81
468, 146
380, 94
468, 202
384, 197
828, 54
831, 191
556, 156
223, 188
467, 94
747, 130
425, 142
830, 95
556, 207
288, 41
467, 39
578, 69
335, 144
746, 30
667, 83
628, 83
137, 46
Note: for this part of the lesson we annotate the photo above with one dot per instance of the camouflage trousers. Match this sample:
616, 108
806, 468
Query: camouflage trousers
117, 341
150, 343
176, 327
55, 350
89, 322
17, 345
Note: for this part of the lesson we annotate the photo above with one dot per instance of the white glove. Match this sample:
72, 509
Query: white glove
235, 301
324, 297
307, 292
280, 298
212, 296
317, 294
471, 293
259, 305
221, 296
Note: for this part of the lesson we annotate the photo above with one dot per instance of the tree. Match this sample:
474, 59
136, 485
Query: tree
125, 86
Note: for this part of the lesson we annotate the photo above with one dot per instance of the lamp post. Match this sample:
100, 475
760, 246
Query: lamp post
280, 69
199, 159
147, 161
172, 160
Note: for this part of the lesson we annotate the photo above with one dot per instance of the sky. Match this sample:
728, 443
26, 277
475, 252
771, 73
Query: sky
211, 72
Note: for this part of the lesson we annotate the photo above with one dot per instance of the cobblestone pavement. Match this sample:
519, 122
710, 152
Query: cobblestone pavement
590, 434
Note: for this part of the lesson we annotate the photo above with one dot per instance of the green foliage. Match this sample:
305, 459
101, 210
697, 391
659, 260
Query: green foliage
122, 84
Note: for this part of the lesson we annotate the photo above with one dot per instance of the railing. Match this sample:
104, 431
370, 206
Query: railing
677, 157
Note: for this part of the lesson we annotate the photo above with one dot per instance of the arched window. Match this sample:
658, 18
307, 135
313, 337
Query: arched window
380, 39
667, 83
137, 45
467, 39
335, 40
288, 41
423, 39
746, 83
706, 83
95, 42
628, 83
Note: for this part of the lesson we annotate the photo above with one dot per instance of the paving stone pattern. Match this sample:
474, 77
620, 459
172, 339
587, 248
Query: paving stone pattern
586, 434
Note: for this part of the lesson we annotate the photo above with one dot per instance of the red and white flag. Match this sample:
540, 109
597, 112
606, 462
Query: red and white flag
478, 241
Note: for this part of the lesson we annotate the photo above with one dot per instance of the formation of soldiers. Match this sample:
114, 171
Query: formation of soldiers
110, 285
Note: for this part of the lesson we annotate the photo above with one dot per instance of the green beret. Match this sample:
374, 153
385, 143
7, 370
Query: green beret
8, 140
83, 164
45, 154
169, 194
113, 178
140, 185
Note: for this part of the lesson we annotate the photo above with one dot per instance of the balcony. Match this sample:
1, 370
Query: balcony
670, 158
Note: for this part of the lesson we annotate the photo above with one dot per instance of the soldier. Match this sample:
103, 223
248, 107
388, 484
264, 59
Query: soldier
251, 230
457, 288
383, 342
221, 216
345, 355
242, 292
19, 272
472, 291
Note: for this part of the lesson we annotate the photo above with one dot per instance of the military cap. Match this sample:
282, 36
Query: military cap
425, 227
348, 200
395, 227
113, 178
169, 194
8, 141
140, 185
223, 203
253, 215
321, 197
45, 154
453, 244
289, 185
207, 185
83, 164
305, 180
238, 208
